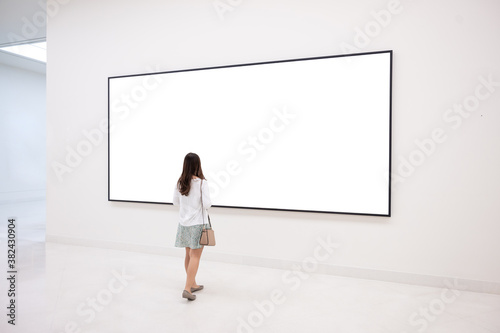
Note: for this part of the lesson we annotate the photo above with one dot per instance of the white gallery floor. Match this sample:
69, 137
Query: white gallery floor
67, 288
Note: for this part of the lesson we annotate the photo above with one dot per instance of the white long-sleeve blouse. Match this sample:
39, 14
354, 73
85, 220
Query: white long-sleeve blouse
190, 212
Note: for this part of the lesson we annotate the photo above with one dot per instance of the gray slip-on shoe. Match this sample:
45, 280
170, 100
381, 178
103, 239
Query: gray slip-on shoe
200, 287
188, 295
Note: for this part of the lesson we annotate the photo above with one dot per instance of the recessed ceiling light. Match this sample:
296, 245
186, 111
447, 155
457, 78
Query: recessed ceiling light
37, 51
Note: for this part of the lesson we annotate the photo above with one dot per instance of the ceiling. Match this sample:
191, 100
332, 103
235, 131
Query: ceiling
22, 20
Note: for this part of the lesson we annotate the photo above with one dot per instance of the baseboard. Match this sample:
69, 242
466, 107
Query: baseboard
352, 272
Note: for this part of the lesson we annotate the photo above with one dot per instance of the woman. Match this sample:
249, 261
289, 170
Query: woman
191, 186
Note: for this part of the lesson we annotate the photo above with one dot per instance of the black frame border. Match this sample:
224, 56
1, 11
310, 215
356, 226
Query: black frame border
266, 63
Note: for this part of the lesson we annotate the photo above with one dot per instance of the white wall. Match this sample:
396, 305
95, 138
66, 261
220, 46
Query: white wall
445, 213
22, 131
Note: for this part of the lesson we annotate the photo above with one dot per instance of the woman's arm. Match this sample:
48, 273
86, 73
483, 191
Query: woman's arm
205, 192
177, 194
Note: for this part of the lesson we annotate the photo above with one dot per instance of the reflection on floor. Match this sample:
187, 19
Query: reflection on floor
66, 288
30, 265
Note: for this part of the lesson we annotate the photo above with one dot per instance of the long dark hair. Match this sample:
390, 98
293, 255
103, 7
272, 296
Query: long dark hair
192, 167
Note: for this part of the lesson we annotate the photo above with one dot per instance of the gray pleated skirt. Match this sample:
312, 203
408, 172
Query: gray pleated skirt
189, 236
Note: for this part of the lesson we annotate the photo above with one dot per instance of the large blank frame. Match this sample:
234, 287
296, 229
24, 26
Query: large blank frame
310, 135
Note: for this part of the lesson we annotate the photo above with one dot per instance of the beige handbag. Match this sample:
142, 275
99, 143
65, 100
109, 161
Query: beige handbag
207, 234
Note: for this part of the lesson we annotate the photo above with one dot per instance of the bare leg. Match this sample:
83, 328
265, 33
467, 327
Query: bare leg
194, 262
186, 260
186, 265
